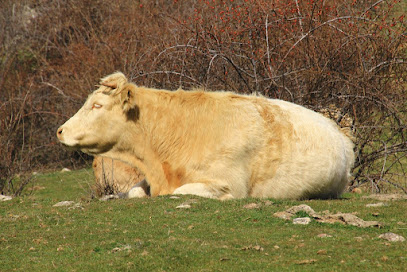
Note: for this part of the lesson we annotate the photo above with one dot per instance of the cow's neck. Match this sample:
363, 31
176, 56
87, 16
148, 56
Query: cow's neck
149, 137
163, 120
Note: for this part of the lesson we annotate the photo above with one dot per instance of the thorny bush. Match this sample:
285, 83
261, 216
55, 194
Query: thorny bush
344, 58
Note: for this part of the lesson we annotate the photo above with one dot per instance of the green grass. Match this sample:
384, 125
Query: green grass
153, 235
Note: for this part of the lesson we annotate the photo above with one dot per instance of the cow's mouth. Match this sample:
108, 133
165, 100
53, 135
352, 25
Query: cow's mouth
88, 148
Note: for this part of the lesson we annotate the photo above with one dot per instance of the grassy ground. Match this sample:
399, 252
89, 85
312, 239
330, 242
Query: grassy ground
153, 235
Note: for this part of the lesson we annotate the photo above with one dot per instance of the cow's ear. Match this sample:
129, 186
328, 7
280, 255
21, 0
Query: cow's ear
128, 96
114, 81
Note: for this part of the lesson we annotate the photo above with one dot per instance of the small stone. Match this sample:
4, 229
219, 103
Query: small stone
64, 204
258, 248
116, 249
380, 204
392, 237
65, 170
302, 221
126, 247
251, 247
351, 219
324, 235
183, 206
310, 261
5, 198
75, 206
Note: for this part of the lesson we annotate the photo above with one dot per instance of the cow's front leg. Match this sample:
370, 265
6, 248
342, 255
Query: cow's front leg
201, 189
141, 189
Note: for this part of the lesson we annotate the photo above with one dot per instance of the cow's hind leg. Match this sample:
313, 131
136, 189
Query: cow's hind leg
200, 189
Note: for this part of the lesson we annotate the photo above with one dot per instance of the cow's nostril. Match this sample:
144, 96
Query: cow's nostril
59, 131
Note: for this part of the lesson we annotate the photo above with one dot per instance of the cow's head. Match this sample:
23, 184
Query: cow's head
105, 117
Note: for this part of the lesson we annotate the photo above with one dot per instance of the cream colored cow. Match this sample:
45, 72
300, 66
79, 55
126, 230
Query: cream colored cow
213, 144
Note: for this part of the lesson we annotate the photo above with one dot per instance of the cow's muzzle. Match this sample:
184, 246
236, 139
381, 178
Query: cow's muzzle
60, 132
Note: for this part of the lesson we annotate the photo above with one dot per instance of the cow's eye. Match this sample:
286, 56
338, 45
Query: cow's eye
96, 106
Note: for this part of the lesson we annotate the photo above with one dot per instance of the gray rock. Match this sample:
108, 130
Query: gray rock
392, 237
302, 221
324, 235
64, 204
326, 217
183, 206
380, 204
301, 208
5, 198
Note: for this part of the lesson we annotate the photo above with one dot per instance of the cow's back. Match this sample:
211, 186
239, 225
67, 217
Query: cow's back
305, 155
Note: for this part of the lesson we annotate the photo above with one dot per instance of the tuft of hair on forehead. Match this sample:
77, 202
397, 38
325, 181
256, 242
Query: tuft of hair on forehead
114, 81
